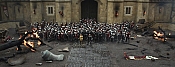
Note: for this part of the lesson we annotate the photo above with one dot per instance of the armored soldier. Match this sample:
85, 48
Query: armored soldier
127, 37
81, 39
89, 38
119, 35
112, 36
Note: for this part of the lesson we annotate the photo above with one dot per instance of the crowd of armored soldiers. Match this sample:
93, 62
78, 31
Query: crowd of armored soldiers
91, 30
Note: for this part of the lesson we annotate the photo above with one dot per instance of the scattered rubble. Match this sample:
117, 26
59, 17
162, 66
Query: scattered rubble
139, 57
66, 49
139, 36
16, 60
47, 55
39, 64
49, 61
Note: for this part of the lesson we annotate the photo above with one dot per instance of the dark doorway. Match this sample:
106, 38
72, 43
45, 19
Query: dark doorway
89, 9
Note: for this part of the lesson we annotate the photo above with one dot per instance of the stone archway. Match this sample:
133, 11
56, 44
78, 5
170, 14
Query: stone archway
89, 9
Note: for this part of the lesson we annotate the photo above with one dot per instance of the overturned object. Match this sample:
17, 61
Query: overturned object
47, 55
16, 61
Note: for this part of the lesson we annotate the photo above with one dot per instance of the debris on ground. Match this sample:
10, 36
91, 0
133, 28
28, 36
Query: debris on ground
39, 64
139, 57
66, 49
139, 35
132, 38
47, 55
16, 60
49, 61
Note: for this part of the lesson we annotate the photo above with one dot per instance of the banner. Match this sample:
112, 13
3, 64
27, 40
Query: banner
5, 11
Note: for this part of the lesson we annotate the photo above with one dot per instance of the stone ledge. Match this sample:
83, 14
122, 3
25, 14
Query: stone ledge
8, 25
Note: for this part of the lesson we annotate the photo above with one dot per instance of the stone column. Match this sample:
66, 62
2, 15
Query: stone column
139, 12
110, 12
76, 12
102, 10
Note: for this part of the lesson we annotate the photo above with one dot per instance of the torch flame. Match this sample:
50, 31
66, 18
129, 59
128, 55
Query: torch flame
39, 43
36, 34
28, 43
159, 36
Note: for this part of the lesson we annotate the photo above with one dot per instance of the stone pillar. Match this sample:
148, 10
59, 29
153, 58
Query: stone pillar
102, 10
76, 12
140, 10
110, 12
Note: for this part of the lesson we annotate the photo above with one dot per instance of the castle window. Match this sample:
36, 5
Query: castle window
50, 10
128, 10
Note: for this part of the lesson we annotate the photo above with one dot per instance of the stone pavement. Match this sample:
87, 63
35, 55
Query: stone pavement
102, 54
96, 56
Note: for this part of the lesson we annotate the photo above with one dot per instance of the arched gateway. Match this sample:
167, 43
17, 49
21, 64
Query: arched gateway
89, 9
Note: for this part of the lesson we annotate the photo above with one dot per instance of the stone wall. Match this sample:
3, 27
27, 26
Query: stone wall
173, 13
66, 11
8, 25
134, 11
37, 16
112, 8
17, 11
111, 18
119, 18
142, 11
102, 10
110, 12
76, 12
72, 11
49, 18
159, 12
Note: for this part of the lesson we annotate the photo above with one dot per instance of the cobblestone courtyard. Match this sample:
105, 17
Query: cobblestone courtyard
101, 54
